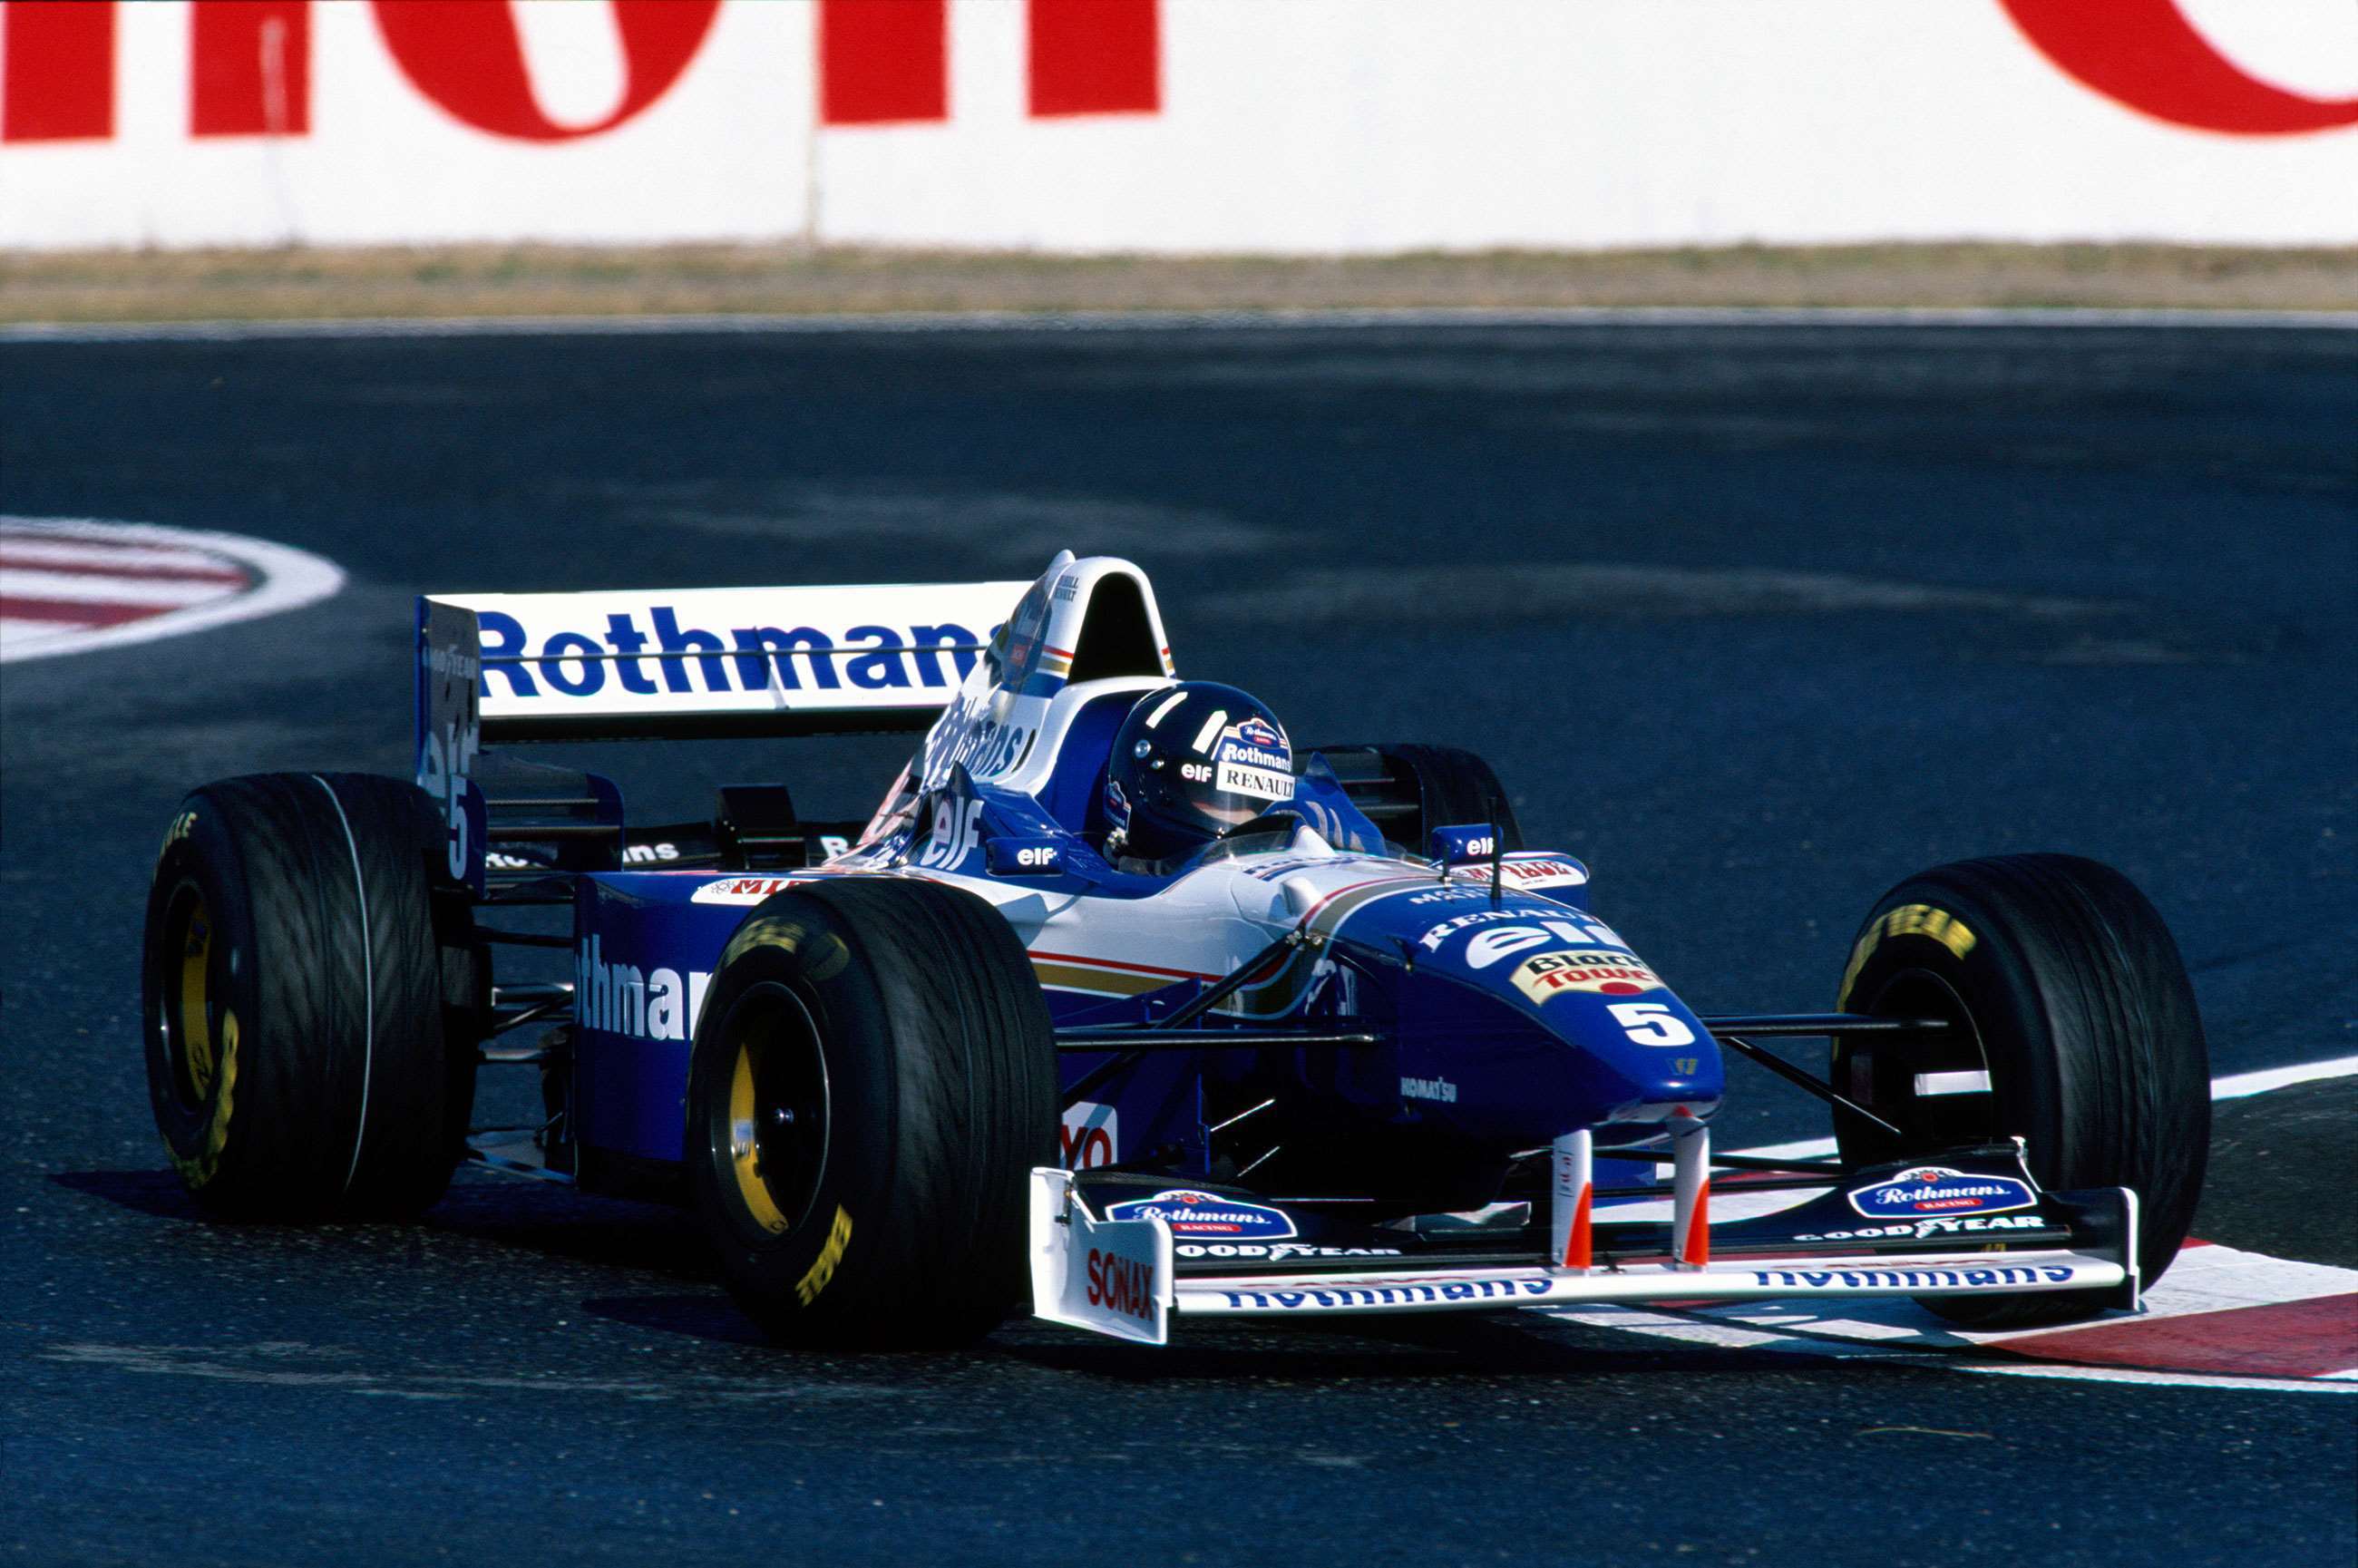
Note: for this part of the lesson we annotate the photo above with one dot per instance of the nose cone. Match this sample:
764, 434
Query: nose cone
1530, 1018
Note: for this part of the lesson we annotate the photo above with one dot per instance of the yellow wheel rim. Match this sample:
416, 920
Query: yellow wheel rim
744, 1146
195, 1024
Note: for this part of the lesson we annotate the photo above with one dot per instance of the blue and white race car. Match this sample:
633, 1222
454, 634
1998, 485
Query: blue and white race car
1121, 1003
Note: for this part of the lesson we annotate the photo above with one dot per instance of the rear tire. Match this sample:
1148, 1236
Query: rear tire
1408, 790
873, 1079
309, 1042
2071, 995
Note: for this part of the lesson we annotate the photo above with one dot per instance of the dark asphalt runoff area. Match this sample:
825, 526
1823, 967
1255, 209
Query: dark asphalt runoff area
1756, 620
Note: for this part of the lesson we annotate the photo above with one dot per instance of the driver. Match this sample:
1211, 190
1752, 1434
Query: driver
1193, 762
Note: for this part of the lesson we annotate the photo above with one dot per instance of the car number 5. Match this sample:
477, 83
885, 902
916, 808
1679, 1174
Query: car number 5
1652, 1023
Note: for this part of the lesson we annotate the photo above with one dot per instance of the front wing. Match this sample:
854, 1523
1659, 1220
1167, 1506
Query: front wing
1117, 1277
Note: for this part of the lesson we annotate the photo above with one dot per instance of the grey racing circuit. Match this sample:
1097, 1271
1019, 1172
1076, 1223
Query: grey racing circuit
1754, 618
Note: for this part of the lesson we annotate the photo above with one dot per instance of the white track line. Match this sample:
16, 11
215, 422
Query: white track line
2238, 1086
2243, 1086
2202, 1279
286, 578
1158, 320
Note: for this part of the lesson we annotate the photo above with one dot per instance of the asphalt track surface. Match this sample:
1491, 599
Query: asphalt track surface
1755, 620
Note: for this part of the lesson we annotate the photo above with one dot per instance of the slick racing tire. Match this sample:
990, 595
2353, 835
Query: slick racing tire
1408, 790
2063, 986
310, 1042
872, 1080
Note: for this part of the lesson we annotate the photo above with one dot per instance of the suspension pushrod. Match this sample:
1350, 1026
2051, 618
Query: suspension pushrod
1737, 1162
1806, 1024
1219, 991
1199, 1039
1800, 1079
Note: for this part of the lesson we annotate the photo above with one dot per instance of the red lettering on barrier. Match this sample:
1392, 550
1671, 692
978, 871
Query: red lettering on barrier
467, 56
2145, 54
1095, 57
250, 68
883, 61
57, 72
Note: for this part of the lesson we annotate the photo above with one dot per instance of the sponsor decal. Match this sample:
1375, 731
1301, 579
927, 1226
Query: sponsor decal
831, 1257
957, 827
1944, 1226
1908, 920
1250, 758
1936, 1189
1090, 1136
1189, 1212
1035, 857
987, 750
1255, 731
632, 855
664, 657
1067, 587
1551, 974
182, 825
1278, 1253
1904, 1279
1261, 783
1388, 1295
622, 998
1440, 1089
1119, 1284
1538, 923
746, 891
1531, 873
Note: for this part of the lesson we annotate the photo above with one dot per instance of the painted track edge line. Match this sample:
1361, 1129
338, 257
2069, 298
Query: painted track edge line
2235, 1086
291, 578
2167, 1380
214, 330
2243, 1086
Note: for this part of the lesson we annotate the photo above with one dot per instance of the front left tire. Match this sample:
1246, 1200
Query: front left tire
873, 1079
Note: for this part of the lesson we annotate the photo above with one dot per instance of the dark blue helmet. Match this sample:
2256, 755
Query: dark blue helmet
1193, 762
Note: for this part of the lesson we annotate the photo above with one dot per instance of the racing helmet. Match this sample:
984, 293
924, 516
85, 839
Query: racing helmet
1193, 762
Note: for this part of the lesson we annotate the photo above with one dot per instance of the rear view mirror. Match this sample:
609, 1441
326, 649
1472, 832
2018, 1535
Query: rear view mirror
1465, 845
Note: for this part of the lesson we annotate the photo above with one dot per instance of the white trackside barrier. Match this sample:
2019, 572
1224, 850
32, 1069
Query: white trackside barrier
1076, 126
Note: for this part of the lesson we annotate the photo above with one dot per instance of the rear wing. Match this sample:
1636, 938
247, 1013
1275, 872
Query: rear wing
682, 664
711, 660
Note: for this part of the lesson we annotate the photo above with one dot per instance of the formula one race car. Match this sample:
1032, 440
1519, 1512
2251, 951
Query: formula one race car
1119, 999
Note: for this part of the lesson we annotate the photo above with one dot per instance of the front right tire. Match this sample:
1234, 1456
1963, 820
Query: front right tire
2062, 984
